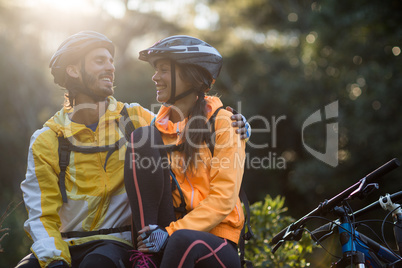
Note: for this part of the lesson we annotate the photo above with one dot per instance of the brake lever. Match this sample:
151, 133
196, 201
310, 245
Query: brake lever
358, 190
290, 235
277, 246
371, 187
363, 190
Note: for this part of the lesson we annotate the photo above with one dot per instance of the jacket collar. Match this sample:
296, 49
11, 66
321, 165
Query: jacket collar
63, 126
166, 126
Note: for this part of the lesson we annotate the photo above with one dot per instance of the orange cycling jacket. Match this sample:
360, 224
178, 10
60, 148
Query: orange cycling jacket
211, 192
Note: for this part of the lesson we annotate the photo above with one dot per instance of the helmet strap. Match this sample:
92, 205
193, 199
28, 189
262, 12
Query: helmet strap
184, 94
173, 98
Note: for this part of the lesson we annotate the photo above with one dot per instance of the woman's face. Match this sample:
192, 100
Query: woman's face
163, 81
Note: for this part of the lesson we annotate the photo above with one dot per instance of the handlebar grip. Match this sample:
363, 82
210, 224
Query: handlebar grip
321, 231
278, 236
384, 169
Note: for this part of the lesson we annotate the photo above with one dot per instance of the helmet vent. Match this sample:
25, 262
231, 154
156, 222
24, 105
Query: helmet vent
185, 49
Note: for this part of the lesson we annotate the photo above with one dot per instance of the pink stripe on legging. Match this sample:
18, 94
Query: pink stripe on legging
137, 189
213, 252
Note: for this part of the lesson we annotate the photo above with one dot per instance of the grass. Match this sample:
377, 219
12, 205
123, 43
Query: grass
4, 231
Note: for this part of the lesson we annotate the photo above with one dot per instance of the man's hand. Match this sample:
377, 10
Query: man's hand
240, 122
152, 239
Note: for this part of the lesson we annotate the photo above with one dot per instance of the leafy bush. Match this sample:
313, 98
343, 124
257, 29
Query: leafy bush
267, 219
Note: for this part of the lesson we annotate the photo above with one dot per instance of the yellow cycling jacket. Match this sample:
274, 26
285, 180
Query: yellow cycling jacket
212, 192
94, 183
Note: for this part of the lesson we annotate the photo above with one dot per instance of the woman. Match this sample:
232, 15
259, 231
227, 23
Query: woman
204, 170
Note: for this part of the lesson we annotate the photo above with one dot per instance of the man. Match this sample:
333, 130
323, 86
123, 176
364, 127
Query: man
78, 211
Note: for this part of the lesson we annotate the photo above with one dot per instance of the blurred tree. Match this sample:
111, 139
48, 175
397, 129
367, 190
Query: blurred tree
29, 34
283, 60
291, 58
25, 100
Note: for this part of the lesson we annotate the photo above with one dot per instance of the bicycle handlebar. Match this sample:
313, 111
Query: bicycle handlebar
327, 228
330, 204
384, 169
395, 197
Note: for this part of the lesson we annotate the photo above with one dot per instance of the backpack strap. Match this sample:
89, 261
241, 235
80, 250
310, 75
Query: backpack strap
65, 148
128, 127
211, 141
245, 235
92, 149
64, 161
153, 121
73, 234
182, 207
243, 198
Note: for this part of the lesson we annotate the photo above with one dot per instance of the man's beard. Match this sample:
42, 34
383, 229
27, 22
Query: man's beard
91, 81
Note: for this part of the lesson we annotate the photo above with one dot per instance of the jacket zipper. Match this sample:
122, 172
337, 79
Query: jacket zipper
100, 209
103, 198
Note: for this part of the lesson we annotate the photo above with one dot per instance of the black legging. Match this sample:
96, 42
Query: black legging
148, 187
149, 192
189, 248
98, 253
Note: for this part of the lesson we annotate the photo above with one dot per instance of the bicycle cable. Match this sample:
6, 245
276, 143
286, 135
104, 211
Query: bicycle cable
383, 232
318, 241
363, 223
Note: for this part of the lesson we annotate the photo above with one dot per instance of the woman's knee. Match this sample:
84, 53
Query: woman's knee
182, 237
28, 261
97, 260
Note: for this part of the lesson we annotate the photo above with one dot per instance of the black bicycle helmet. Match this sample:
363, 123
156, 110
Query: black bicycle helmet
184, 49
74, 48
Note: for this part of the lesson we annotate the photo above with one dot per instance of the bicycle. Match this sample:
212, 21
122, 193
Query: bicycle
357, 249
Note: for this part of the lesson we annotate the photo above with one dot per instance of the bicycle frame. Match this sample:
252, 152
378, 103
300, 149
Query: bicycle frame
358, 249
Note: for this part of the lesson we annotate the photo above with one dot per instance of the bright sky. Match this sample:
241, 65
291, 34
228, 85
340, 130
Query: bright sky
62, 10
176, 10
116, 8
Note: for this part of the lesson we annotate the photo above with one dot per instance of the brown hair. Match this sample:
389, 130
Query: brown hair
201, 80
72, 84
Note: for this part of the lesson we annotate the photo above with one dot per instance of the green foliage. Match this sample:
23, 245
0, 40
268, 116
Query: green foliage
268, 218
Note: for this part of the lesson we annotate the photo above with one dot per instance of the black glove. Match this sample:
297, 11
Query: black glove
155, 239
